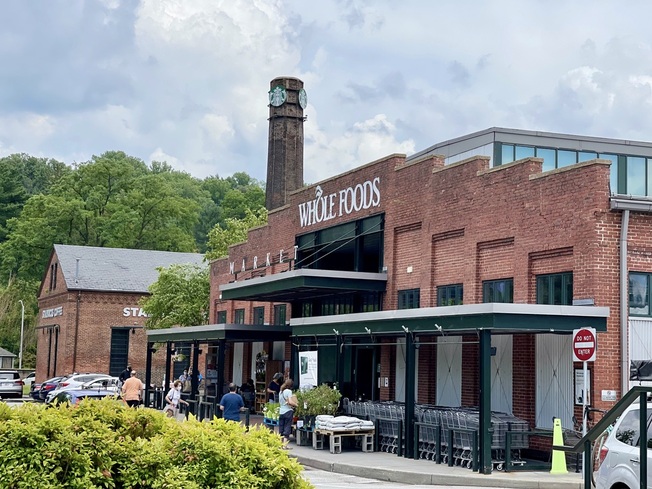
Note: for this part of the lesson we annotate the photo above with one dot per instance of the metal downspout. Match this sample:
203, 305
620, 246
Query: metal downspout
624, 346
74, 349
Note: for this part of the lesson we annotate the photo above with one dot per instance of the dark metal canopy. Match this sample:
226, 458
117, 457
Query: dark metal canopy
499, 318
302, 284
214, 332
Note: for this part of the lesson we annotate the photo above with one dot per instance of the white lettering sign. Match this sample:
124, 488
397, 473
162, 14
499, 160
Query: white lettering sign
352, 199
52, 313
282, 257
134, 312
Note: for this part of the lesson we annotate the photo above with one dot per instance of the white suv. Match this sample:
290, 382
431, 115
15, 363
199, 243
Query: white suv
620, 455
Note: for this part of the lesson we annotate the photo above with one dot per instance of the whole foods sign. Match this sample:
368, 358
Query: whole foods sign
325, 207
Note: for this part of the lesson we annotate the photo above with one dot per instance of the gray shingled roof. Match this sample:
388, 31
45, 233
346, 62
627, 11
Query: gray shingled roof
116, 269
5, 353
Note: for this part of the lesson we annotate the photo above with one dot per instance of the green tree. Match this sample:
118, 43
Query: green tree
234, 231
113, 200
180, 297
10, 319
12, 197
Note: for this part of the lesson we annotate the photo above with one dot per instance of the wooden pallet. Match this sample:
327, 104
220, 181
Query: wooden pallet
335, 444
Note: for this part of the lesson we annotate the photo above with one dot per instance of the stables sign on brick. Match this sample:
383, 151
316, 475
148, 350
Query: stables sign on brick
352, 199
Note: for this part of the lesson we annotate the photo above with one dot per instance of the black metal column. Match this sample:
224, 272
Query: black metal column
339, 362
410, 372
485, 402
294, 362
167, 380
194, 378
56, 349
148, 373
221, 358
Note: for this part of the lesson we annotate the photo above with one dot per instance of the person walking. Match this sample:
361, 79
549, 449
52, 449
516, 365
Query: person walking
132, 390
286, 411
124, 375
231, 404
173, 398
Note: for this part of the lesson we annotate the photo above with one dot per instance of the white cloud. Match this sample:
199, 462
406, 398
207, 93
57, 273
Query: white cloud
187, 80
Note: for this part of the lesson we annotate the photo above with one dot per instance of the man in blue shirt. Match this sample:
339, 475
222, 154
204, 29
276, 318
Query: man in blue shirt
231, 404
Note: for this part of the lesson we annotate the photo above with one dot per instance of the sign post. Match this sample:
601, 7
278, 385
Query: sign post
585, 345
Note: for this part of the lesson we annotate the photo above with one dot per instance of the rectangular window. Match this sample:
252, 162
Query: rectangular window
450, 295
586, 156
555, 289
507, 155
549, 158
524, 152
408, 299
221, 317
566, 158
239, 316
279, 314
636, 173
639, 294
613, 171
259, 315
498, 290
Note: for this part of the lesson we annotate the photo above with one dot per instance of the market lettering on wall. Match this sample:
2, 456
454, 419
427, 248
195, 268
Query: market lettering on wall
270, 260
134, 312
352, 199
52, 313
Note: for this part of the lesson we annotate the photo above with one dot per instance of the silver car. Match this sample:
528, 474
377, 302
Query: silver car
620, 454
11, 385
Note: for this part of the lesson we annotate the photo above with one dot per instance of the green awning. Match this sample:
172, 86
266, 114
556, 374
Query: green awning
214, 332
498, 317
303, 284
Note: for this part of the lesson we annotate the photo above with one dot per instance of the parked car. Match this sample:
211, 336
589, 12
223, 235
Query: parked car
74, 396
105, 382
46, 387
11, 385
620, 453
29, 379
75, 381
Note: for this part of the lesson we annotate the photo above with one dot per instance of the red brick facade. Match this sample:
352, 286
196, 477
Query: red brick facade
467, 223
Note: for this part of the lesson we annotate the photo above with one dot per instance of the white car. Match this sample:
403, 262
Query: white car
76, 381
29, 379
620, 454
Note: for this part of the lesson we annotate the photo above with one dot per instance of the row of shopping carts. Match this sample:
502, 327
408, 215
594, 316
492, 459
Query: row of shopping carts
444, 432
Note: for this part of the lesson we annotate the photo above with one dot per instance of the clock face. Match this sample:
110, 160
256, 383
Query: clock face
277, 96
303, 98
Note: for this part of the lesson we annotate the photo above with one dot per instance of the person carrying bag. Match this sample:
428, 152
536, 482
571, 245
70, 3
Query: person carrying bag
288, 403
173, 398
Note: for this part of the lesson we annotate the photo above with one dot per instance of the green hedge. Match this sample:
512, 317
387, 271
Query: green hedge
105, 444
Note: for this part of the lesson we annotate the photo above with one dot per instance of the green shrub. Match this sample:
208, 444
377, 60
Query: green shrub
102, 444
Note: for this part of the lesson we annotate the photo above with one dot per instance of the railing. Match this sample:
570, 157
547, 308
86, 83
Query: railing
586, 443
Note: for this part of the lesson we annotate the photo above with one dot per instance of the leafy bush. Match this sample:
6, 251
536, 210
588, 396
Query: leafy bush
318, 400
102, 444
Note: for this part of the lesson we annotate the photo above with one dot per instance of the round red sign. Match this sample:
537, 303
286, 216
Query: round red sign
584, 345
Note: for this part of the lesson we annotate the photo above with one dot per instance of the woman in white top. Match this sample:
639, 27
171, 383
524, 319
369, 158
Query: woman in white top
173, 398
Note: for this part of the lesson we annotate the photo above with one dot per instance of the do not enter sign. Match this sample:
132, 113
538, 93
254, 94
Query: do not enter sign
584, 345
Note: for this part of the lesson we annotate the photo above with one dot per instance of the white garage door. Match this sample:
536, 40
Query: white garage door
554, 381
501, 374
449, 371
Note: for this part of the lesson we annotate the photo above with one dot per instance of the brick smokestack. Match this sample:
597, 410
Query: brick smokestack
285, 151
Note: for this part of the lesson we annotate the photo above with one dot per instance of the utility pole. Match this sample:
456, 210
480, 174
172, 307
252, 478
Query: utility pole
22, 329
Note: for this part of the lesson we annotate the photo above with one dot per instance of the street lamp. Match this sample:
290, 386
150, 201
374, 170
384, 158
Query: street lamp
22, 325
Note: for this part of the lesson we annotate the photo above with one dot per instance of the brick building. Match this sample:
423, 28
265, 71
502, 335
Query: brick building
455, 276
90, 319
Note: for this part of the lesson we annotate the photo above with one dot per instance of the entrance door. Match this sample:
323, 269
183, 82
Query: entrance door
364, 374
119, 351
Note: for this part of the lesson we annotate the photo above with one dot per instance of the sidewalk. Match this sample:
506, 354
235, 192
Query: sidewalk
391, 468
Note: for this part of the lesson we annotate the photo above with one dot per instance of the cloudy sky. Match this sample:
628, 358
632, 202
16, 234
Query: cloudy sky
186, 81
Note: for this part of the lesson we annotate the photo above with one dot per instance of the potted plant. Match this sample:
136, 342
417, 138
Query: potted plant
322, 399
